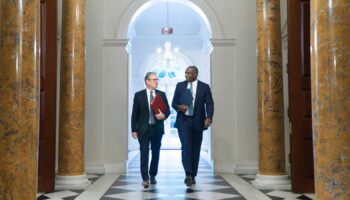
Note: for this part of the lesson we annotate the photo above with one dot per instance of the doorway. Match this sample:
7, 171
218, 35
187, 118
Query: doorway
147, 47
302, 171
48, 74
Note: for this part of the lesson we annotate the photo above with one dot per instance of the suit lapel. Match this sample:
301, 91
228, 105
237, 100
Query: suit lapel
145, 99
198, 92
197, 89
184, 86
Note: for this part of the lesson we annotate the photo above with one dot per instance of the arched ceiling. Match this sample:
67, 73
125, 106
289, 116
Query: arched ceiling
184, 20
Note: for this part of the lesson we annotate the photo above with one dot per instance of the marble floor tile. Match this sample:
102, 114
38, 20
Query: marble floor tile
170, 185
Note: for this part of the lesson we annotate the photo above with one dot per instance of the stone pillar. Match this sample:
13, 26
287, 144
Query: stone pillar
19, 98
272, 173
330, 81
71, 174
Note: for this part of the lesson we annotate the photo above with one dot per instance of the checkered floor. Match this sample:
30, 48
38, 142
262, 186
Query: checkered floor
279, 194
67, 194
170, 185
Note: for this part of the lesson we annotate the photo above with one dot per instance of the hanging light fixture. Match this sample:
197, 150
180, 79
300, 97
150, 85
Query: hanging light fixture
168, 53
167, 30
167, 58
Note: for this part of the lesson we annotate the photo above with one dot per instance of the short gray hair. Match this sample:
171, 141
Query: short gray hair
148, 74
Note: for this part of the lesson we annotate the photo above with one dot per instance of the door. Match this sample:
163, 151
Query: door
302, 171
47, 130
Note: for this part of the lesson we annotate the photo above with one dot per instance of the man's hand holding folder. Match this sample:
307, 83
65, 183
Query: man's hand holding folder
158, 104
186, 98
185, 101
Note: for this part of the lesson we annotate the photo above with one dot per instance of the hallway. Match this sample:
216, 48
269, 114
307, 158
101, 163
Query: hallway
170, 185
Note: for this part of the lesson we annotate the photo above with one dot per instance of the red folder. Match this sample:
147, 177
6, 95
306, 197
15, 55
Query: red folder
158, 103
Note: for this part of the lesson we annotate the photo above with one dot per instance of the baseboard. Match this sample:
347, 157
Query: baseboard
115, 168
94, 168
224, 168
247, 167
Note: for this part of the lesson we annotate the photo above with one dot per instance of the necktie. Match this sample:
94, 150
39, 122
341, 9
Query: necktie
190, 108
151, 114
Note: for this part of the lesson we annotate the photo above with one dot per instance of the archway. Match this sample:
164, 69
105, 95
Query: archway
191, 38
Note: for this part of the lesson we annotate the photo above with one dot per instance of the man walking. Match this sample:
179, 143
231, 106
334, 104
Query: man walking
192, 119
148, 127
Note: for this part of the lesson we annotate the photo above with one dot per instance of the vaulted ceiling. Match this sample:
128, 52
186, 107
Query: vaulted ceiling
183, 19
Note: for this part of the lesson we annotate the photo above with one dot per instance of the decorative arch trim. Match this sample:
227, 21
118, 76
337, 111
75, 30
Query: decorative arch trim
200, 7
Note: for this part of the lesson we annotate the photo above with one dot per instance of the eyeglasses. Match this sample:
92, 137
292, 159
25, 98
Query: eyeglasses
154, 79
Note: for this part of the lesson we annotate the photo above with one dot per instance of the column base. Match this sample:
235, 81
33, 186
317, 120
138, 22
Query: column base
79, 182
272, 182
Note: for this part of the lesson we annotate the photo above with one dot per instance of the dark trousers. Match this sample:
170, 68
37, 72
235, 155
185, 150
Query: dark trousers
150, 137
191, 141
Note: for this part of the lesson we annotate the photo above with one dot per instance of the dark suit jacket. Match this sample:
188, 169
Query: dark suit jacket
203, 105
140, 113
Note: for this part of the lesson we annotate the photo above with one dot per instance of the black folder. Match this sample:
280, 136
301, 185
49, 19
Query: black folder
186, 98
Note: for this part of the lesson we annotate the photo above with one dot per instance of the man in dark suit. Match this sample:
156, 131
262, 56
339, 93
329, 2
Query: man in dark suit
148, 127
192, 120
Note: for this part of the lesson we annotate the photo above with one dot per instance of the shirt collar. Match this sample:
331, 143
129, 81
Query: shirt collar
194, 82
148, 90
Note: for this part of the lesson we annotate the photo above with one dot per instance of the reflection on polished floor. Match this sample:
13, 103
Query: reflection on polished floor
170, 185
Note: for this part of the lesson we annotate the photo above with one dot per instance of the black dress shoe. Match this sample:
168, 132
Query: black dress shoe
193, 180
145, 184
188, 181
153, 180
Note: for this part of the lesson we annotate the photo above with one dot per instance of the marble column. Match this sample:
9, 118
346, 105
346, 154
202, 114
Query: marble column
272, 173
71, 172
330, 81
19, 98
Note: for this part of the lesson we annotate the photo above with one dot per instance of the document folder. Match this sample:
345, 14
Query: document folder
158, 103
186, 98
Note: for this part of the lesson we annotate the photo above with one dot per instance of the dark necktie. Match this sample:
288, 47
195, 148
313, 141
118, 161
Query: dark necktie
190, 108
151, 114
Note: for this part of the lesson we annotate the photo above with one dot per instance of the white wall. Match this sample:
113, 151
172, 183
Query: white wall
246, 85
224, 130
94, 129
234, 84
115, 105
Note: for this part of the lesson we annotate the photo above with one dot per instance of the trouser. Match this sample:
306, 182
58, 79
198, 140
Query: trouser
191, 141
153, 138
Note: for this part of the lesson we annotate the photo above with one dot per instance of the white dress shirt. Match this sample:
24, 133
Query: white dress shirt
194, 91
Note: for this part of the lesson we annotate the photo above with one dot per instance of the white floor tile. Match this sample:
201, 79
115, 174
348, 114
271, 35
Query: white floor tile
283, 194
98, 188
170, 183
136, 195
39, 194
207, 187
244, 188
311, 196
61, 194
210, 195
